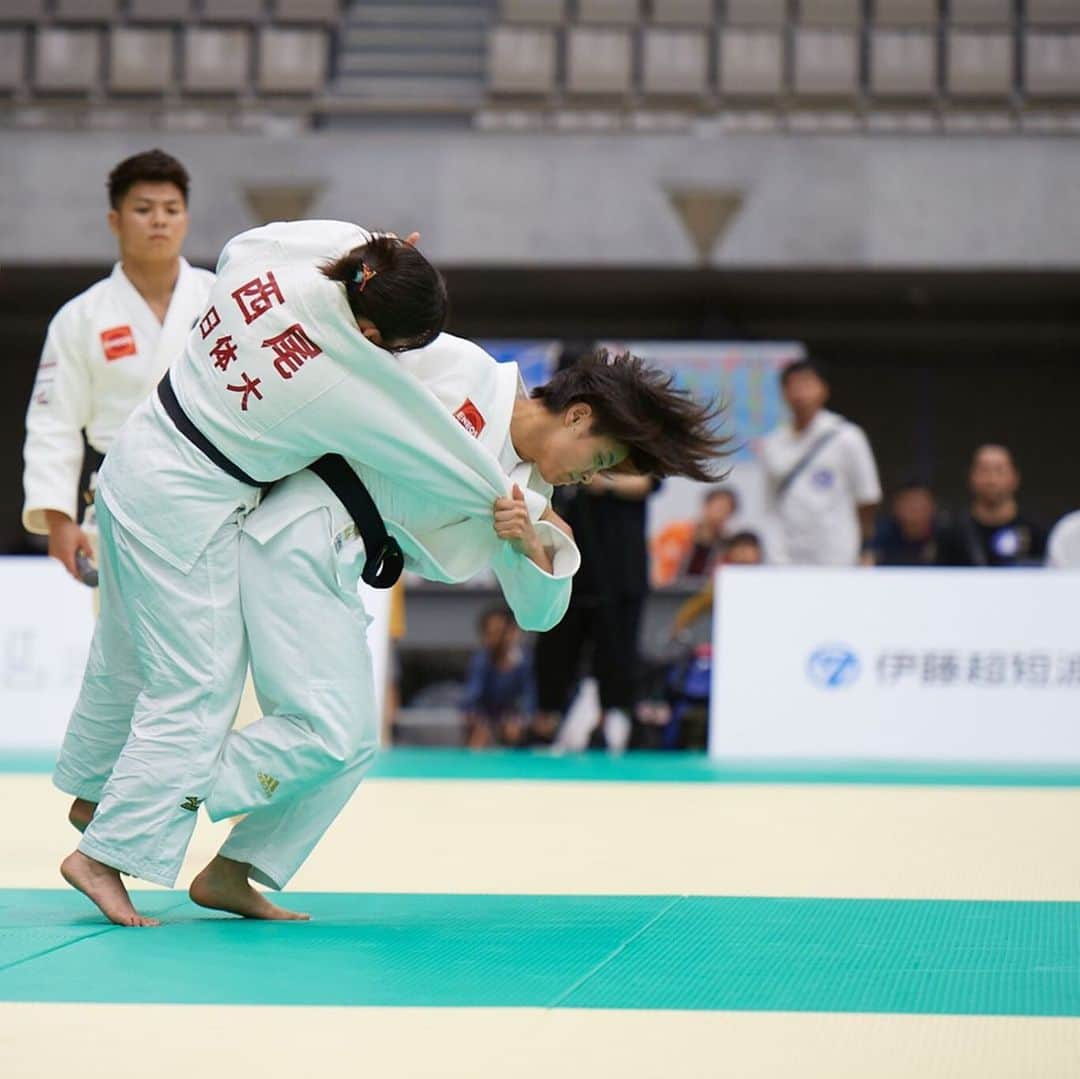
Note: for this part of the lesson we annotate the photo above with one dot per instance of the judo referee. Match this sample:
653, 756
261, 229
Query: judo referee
288, 361
108, 347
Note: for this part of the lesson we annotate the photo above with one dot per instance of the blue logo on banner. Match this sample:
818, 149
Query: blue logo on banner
832, 666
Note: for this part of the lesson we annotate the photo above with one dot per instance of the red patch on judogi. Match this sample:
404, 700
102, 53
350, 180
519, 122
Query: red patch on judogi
118, 343
468, 415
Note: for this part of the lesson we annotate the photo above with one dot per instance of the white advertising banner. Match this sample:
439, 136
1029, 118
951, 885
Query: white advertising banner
898, 664
46, 622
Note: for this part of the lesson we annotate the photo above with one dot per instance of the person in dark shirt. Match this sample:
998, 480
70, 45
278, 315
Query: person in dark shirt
500, 695
910, 535
604, 617
993, 532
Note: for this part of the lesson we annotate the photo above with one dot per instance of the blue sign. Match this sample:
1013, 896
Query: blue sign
833, 666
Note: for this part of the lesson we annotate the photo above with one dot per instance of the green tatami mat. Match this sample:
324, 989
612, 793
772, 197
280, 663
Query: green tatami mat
35, 923
560, 951
538, 765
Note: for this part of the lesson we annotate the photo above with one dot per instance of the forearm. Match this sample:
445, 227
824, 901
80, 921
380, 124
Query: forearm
632, 488
693, 609
867, 518
540, 556
50, 480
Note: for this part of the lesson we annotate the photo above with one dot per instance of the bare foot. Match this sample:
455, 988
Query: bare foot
224, 885
101, 884
81, 813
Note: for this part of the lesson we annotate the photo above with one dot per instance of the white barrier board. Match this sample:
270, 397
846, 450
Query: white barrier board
922, 664
46, 622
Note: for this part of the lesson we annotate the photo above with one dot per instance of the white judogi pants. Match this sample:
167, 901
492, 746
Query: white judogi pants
293, 770
159, 695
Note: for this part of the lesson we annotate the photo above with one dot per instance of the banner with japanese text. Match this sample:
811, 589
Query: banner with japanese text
979, 665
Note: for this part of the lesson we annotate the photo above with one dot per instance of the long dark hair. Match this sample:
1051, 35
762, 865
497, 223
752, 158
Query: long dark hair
666, 431
401, 292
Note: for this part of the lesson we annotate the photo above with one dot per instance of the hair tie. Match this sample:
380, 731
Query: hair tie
362, 276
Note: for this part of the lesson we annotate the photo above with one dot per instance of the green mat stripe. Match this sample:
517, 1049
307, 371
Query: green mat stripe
624, 952
455, 764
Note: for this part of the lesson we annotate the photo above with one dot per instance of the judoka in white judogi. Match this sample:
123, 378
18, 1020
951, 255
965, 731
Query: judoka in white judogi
293, 771
104, 352
275, 374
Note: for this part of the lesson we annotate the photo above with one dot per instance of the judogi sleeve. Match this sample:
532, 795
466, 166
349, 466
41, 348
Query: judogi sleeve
537, 598
59, 410
862, 469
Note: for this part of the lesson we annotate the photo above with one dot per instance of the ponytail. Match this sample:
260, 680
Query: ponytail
389, 283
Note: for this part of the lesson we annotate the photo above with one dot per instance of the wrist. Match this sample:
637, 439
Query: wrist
532, 546
56, 519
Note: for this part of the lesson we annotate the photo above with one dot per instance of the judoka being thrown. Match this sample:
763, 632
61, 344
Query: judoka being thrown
293, 771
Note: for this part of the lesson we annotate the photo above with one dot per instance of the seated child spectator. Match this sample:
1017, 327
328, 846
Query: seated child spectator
500, 695
911, 533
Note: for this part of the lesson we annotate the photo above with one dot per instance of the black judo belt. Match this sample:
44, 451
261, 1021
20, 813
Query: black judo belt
383, 560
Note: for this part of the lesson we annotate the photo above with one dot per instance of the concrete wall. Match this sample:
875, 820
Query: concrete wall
565, 199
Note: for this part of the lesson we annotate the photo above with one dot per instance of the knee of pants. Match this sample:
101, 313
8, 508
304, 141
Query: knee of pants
351, 744
344, 721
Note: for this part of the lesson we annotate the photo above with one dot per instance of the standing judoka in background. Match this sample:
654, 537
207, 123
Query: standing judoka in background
288, 362
108, 347
293, 771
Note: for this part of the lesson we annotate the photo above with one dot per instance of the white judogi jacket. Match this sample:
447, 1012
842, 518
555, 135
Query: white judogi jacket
104, 352
816, 522
276, 373
439, 540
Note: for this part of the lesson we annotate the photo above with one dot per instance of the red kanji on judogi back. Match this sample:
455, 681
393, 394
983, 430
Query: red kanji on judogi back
291, 349
210, 322
223, 352
257, 297
250, 386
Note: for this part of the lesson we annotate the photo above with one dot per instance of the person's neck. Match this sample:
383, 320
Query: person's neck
994, 513
529, 423
708, 533
918, 535
801, 422
153, 281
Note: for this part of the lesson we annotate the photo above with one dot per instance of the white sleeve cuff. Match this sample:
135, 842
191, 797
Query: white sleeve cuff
565, 557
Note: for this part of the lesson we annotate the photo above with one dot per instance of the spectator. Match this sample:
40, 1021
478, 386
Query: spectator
693, 548
604, 617
822, 477
911, 534
992, 532
743, 549
500, 696
1063, 546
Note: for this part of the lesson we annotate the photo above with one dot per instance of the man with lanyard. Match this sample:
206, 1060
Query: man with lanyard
823, 481
108, 347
